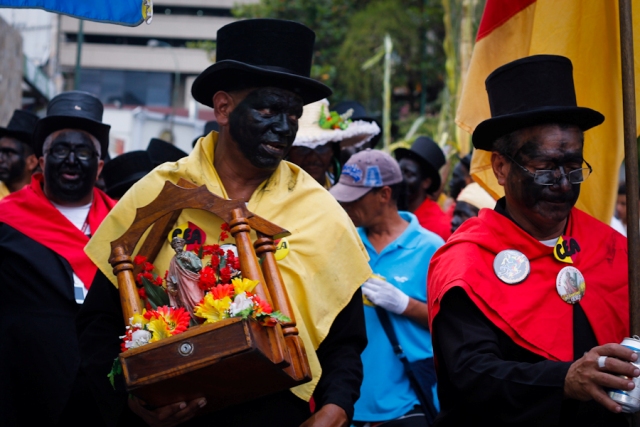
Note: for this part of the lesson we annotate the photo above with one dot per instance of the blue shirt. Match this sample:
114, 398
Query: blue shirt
386, 393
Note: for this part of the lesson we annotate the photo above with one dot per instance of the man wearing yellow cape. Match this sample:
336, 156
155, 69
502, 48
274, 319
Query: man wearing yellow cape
257, 93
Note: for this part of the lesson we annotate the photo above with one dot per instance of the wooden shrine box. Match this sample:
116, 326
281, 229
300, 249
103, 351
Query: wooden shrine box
228, 362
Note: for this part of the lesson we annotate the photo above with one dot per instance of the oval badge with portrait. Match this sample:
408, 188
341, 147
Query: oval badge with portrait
570, 285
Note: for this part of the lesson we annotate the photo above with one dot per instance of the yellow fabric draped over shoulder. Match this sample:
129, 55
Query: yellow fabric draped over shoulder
326, 262
4, 191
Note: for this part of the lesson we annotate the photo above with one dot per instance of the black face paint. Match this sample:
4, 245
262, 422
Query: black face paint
553, 202
458, 180
412, 175
70, 179
314, 161
264, 125
12, 160
462, 212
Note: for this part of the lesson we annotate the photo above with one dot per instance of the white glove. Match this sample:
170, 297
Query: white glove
385, 295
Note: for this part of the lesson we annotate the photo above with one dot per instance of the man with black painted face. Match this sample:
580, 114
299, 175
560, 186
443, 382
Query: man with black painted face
17, 161
44, 272
257, 89
529, 301
420, 167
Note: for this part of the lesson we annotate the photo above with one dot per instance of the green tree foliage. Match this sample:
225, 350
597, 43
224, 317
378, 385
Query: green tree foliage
348, 32
416, 30
328, 18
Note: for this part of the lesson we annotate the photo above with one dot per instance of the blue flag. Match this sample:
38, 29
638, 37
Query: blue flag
122, 12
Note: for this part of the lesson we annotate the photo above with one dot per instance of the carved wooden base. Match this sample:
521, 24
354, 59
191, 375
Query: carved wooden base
228, 362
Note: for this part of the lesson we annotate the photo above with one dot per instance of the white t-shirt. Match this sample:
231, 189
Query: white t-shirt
617, 225
550, 242
77, 215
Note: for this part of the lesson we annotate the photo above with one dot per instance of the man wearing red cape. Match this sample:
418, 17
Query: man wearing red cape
44, 271
514, 345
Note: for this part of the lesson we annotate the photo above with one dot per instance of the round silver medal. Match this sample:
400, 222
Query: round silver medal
511, 266
570, 285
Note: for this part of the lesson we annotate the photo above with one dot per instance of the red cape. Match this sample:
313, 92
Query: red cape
431, 217
30, 212
532, 313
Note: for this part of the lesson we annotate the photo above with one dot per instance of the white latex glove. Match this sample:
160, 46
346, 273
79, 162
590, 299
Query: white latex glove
385, 295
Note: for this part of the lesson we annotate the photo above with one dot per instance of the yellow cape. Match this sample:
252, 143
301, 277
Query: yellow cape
4, 191
326, 262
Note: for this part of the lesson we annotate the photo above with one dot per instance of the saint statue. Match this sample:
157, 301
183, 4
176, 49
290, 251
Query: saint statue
184, 274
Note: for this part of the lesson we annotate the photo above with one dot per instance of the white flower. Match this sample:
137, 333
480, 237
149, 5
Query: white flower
138, 338
240, 302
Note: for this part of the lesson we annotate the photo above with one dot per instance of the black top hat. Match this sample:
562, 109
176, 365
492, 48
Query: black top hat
466, 161
73, 110
210, 126
21, 127
429, 155
261, 52
532, 91
125, 170
162, 151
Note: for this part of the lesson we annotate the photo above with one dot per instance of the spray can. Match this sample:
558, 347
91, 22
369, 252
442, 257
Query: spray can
629, 400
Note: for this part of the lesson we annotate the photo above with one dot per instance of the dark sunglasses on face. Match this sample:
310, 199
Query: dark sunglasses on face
83, 152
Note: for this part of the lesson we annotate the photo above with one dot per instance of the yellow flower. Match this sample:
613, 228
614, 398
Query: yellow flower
139, 320
212, 309
244, 285
159, 329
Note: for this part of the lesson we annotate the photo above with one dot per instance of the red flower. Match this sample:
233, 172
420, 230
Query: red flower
147, 266
262, 307
225, 275
269, 321
125, 339
232, 260
158, 281
215, 261
139, 259
222, 291
225, 227
142, 293
210, 249
224, 236
207, 278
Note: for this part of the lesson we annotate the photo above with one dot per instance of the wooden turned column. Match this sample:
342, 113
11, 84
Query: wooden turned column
123, 270
241, 230
265, 249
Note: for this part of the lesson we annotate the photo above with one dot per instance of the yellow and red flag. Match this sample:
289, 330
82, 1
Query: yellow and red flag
587, 32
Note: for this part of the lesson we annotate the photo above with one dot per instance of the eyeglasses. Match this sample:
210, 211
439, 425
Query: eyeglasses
82, 152
551, 176
7, 152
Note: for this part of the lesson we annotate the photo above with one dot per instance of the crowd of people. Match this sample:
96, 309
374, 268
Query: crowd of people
415, 309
